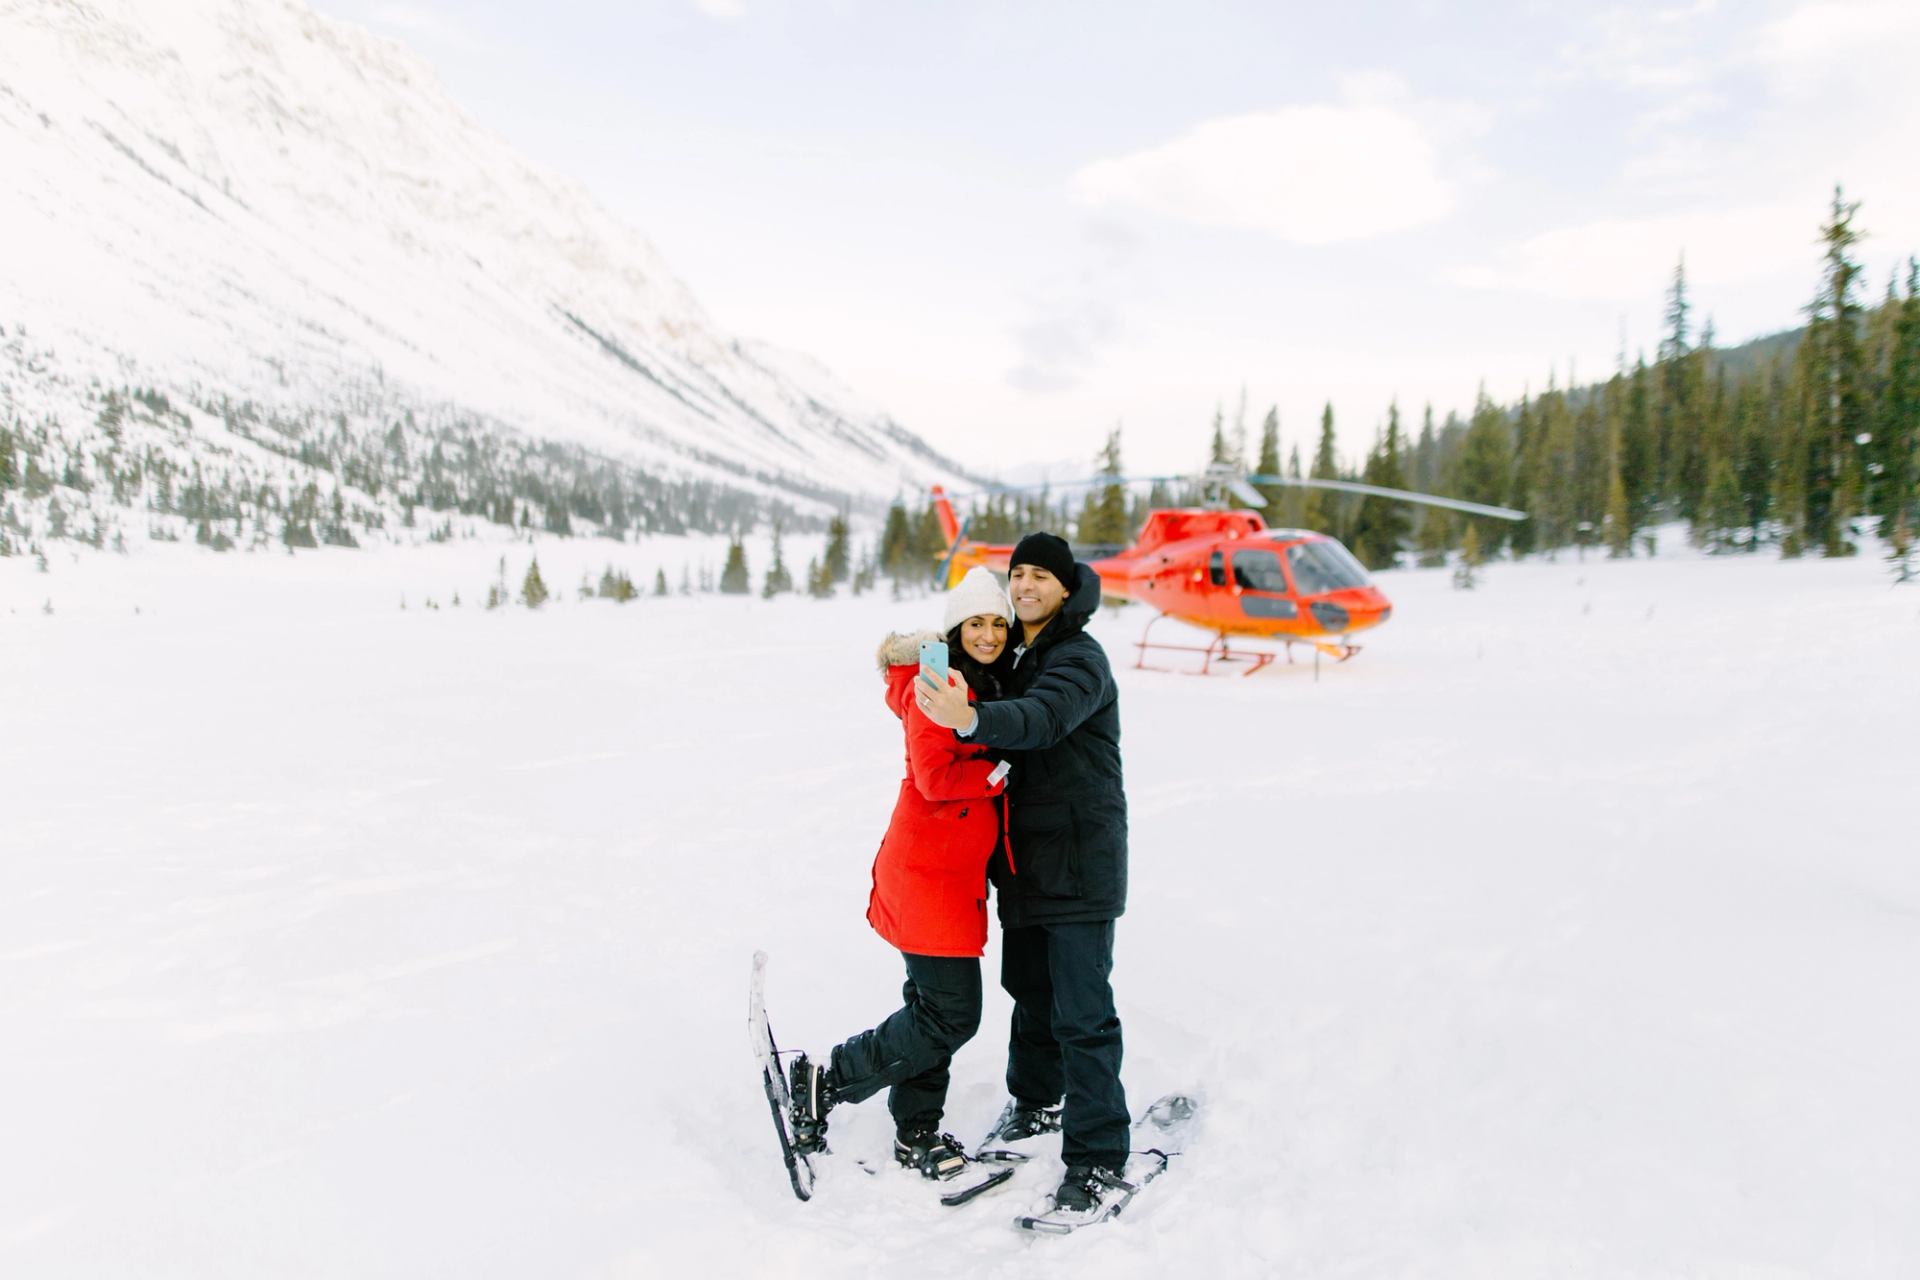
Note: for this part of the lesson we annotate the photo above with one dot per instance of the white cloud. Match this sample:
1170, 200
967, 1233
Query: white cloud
1837, 107
1057, 351
1824, 37
1623, 259
724, 10
1844, 107
1372, 163
1636, 49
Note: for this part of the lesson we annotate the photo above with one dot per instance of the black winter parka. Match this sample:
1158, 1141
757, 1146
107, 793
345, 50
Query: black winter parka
1067, 805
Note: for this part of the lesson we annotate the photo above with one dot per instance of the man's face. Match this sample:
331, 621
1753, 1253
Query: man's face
1037, 594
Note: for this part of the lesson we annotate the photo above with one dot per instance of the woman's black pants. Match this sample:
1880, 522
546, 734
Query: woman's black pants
911, 1051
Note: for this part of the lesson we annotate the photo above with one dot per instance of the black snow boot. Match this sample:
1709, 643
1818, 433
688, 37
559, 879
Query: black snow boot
1020, 1119
811, 1090
1087, 1190
935, 1155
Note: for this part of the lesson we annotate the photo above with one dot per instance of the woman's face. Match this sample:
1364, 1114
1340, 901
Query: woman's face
983, 636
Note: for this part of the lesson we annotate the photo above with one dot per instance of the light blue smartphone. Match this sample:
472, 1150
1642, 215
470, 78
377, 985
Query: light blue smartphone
933, 662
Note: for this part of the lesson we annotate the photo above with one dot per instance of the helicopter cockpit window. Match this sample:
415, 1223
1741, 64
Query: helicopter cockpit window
1217, 570
1324, 566
1258, 571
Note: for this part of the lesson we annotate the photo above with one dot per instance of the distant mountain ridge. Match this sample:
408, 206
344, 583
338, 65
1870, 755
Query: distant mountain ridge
241, 202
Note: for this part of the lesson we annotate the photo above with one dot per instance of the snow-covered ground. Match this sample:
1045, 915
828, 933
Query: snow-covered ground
1570, 930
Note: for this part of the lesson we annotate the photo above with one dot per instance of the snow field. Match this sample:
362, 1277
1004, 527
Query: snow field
1568, 930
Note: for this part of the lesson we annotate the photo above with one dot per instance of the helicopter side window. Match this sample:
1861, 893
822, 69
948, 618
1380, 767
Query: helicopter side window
1323, 566
1259, 576
1259, 571
1217, 569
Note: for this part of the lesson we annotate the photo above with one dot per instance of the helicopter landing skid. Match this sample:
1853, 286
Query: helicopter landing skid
1215, 651
1218, 650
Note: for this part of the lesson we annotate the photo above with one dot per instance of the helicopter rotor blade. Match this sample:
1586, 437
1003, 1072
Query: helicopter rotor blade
1045, 486
1245, 492
1241, 487
1396, 495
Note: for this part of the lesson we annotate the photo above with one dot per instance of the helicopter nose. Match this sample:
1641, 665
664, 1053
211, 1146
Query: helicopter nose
1354, 609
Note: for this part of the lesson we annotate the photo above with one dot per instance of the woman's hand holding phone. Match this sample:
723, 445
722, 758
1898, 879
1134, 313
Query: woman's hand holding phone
945, 705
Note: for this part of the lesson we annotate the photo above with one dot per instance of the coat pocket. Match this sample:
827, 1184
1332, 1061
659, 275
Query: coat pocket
1043, 841
1100, 846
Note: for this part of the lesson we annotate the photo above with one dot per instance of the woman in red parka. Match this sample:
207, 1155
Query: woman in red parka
929, 897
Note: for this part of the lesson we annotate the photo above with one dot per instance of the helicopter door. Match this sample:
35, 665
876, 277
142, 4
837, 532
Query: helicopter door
1262, 585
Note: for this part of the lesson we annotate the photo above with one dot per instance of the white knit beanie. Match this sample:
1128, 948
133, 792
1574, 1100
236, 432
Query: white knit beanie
977, 593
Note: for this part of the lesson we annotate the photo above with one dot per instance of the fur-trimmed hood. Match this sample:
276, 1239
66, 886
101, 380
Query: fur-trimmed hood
902, 649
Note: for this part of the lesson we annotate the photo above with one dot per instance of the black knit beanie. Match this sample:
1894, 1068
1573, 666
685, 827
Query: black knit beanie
1048, 550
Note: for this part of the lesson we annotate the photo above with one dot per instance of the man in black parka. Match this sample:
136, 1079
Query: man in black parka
1063, 882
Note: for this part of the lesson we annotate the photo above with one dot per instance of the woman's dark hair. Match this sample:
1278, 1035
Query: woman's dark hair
987, 682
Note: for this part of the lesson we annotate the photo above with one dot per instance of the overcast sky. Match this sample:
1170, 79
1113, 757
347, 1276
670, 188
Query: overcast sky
1016, 225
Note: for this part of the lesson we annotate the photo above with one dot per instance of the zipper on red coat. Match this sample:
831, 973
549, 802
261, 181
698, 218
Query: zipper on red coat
1006, 833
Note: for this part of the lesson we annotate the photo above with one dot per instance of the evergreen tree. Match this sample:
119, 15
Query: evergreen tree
1381, 525
1269, 464
1485, 469
659, 582
1721, 524
1835, 376
1219, 453
1680, 468
733, 577
1900, 549
1552, 500
1788, 508
930, 539
1753, 449
1435, 537
997, 522
819, 582
836, 559
1529, 467
1618, 524
1640, 447
616, 586
1426, 456
1318, 510
778, 581
1293, 498
1466, 576
1103, 521
896, 543
1896, 432
533, 591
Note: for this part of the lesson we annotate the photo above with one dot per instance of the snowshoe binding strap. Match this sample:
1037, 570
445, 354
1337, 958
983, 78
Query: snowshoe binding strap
936, 1155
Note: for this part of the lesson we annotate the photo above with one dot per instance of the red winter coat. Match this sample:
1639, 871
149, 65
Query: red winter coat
930, 877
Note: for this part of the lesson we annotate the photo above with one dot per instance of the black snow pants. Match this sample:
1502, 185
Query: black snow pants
912, 1050
1066, 1035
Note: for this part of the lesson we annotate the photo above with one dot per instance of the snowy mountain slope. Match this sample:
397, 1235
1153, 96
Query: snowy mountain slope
245, 198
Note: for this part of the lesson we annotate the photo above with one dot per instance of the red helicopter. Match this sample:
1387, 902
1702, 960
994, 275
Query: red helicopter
1223, 570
